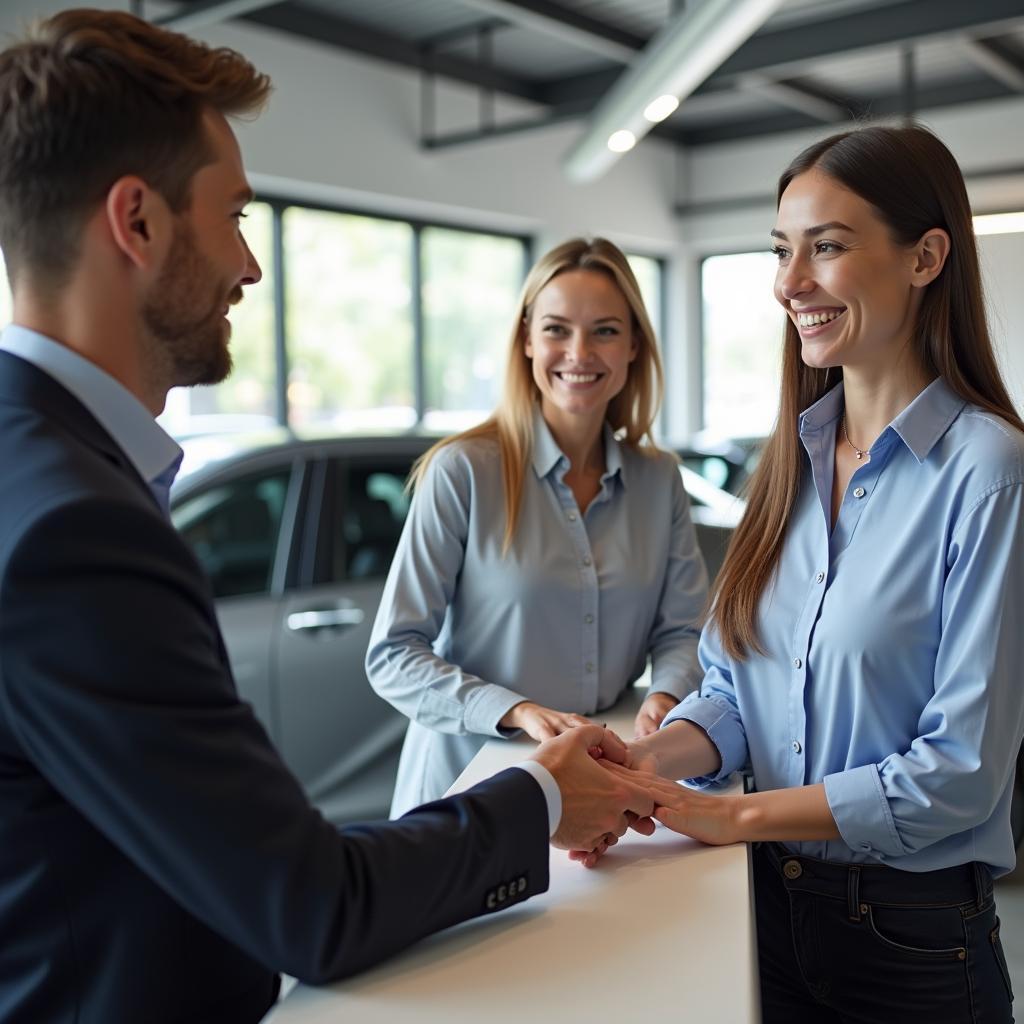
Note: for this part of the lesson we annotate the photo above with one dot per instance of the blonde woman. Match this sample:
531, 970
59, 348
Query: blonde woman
549, 551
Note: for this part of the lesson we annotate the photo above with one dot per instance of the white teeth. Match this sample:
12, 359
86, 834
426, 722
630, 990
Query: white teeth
578, 378
813, 319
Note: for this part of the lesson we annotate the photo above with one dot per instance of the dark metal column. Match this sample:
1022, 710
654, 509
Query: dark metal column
419, 355
280, 298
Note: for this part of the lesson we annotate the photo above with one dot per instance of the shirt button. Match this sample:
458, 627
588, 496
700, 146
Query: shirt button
588, 619
859, 492
589, 666
797, 663
820, 578
796, 747
586, 561
572, 517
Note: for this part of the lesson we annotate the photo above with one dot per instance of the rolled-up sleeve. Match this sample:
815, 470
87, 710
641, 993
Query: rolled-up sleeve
401, 663
714, 709
675, 668
959, 765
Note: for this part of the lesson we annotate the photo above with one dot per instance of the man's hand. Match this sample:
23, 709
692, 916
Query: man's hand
540, 723
598, 805
652, 712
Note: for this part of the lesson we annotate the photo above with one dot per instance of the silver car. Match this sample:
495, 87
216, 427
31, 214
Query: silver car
297, 538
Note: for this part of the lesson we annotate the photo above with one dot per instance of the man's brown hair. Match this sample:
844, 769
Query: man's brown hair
88, 97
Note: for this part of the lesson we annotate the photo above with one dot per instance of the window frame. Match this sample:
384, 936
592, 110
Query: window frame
279, 203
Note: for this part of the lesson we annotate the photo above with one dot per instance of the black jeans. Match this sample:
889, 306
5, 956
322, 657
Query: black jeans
870, 944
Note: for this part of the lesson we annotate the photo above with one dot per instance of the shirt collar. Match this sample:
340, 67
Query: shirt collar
920, 425
148, 447
547, 455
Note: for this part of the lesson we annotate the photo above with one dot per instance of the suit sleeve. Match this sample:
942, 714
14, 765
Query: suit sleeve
113, 680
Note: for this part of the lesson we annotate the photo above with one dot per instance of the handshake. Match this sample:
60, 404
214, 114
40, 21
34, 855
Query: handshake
607, 787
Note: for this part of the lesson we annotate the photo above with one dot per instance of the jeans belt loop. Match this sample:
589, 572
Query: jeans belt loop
853, 892
980, 888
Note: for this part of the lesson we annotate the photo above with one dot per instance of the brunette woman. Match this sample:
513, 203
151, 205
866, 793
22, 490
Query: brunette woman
863, 657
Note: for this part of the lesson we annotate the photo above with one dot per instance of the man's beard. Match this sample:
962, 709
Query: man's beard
190, 344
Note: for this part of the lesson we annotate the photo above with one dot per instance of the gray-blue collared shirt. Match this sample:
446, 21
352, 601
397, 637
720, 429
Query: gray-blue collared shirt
567, 618
893, 642
148, 447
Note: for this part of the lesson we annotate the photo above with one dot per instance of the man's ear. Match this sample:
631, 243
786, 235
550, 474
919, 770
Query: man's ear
931, 253
139, 220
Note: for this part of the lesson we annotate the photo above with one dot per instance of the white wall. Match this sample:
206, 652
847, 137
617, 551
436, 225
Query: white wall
1002, 266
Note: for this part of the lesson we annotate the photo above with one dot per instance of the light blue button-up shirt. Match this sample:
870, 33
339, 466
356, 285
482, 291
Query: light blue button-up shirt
894, 664
567, 618
148, 447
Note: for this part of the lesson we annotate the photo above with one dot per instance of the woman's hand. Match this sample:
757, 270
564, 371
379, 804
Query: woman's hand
711, 819
540, 723
652, 712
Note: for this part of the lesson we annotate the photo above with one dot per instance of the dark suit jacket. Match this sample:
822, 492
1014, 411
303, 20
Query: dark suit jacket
158, 862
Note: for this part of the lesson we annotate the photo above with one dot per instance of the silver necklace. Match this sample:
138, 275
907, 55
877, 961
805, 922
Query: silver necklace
859, 452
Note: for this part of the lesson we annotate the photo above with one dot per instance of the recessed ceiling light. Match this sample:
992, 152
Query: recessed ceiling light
621, 141
657, 110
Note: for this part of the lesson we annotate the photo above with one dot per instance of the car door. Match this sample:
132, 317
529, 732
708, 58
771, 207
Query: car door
237, 524
340, 737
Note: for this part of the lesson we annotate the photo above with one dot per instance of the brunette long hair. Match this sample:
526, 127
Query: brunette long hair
631, 411
914, 184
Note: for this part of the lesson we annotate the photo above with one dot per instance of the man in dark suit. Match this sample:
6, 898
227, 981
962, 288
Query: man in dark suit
157, 860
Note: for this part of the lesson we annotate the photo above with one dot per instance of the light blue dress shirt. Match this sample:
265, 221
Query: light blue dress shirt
894, 664
148, 447
567, 618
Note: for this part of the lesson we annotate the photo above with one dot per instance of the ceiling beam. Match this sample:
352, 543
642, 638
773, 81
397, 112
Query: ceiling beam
570, 26
993, 59
788, 52
892, 105
350, 35
209, 12
798, 96
910, 21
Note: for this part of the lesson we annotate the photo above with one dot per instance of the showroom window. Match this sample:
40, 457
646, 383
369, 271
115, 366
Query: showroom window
470, 286
649, 272
348, 321
742, 339
362, 324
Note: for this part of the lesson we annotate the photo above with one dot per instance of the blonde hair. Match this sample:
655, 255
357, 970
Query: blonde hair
630, 413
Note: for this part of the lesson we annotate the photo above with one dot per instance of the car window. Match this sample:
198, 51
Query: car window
370, 507
233, 529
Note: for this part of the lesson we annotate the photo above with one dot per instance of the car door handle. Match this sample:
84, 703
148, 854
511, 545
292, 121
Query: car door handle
325, 618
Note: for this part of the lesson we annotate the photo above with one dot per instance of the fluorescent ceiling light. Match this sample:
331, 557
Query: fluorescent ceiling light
621, 141
999, 223
657, 110
681, 56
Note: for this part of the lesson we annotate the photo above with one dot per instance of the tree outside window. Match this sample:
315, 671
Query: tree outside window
471, 283
349, 325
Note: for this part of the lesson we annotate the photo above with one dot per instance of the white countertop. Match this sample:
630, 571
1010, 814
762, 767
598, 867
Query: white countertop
664, 924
